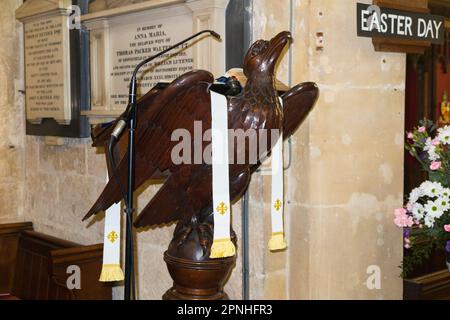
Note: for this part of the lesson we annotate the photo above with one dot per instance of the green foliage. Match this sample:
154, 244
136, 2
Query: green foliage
416, 256
424, 242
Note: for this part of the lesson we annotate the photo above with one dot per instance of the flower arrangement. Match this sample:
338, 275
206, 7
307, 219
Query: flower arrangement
425, 219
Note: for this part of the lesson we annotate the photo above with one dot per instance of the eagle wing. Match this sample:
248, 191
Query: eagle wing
297, 103
178, 106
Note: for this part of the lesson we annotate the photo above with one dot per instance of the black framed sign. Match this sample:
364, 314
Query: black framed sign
375, 21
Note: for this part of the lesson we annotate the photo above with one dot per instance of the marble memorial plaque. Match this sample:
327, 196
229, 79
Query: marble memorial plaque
132, 43
122, 37
47, 69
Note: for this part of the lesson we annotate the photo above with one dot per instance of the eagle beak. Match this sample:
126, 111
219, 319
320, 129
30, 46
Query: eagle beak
276, 46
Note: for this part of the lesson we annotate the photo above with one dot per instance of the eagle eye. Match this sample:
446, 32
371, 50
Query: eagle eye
259, 47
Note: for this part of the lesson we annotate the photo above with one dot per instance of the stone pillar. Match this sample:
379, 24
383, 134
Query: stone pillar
347, 174
209, 14
268, 269
347, 167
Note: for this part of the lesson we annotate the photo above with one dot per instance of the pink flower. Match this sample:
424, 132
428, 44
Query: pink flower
410, 135
422, 129
435, 142
447, 227
435, 165
407, 243
401, 219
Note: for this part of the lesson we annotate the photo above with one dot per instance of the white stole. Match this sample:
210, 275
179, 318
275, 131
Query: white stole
277, 241
222, 245
111, 270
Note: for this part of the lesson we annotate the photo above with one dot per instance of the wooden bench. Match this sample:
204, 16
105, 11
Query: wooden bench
433, 286
35, 266
429, 280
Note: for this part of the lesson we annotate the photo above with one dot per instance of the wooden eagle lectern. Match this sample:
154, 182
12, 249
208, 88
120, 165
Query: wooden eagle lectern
186, 195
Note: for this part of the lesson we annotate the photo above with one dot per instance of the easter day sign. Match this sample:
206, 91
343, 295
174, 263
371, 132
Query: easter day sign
374, 21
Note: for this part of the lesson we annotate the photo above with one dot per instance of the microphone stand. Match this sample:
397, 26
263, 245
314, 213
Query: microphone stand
131, 118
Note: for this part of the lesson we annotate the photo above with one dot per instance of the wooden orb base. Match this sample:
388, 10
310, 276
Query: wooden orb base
196, 276
198, 280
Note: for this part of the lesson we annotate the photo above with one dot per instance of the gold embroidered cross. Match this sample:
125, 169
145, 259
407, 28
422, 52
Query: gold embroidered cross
277, 204
112, 236
222, 208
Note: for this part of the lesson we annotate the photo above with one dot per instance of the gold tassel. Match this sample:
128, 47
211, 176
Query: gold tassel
111, 272
277, 242
222, 248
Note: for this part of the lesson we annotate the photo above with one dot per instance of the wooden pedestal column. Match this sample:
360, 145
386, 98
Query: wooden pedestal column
196, 276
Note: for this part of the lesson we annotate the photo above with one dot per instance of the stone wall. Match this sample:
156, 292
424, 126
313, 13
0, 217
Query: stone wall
12, 127
348, 171
345, 179
347, 167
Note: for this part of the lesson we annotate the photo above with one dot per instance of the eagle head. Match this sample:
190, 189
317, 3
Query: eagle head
263, 55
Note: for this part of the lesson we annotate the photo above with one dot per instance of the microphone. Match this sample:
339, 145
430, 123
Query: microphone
118, 129
215, 35
122, 123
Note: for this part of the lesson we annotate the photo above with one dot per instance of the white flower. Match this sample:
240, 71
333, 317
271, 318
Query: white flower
409, 206
433, 209
429, 221
445, 192
431, 189
444, 203
428, 144
444, 135
431, 150
418, 211
432, 154
414, 195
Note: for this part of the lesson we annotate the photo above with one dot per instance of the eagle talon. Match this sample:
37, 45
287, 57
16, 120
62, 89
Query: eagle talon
205, 235
184, 234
